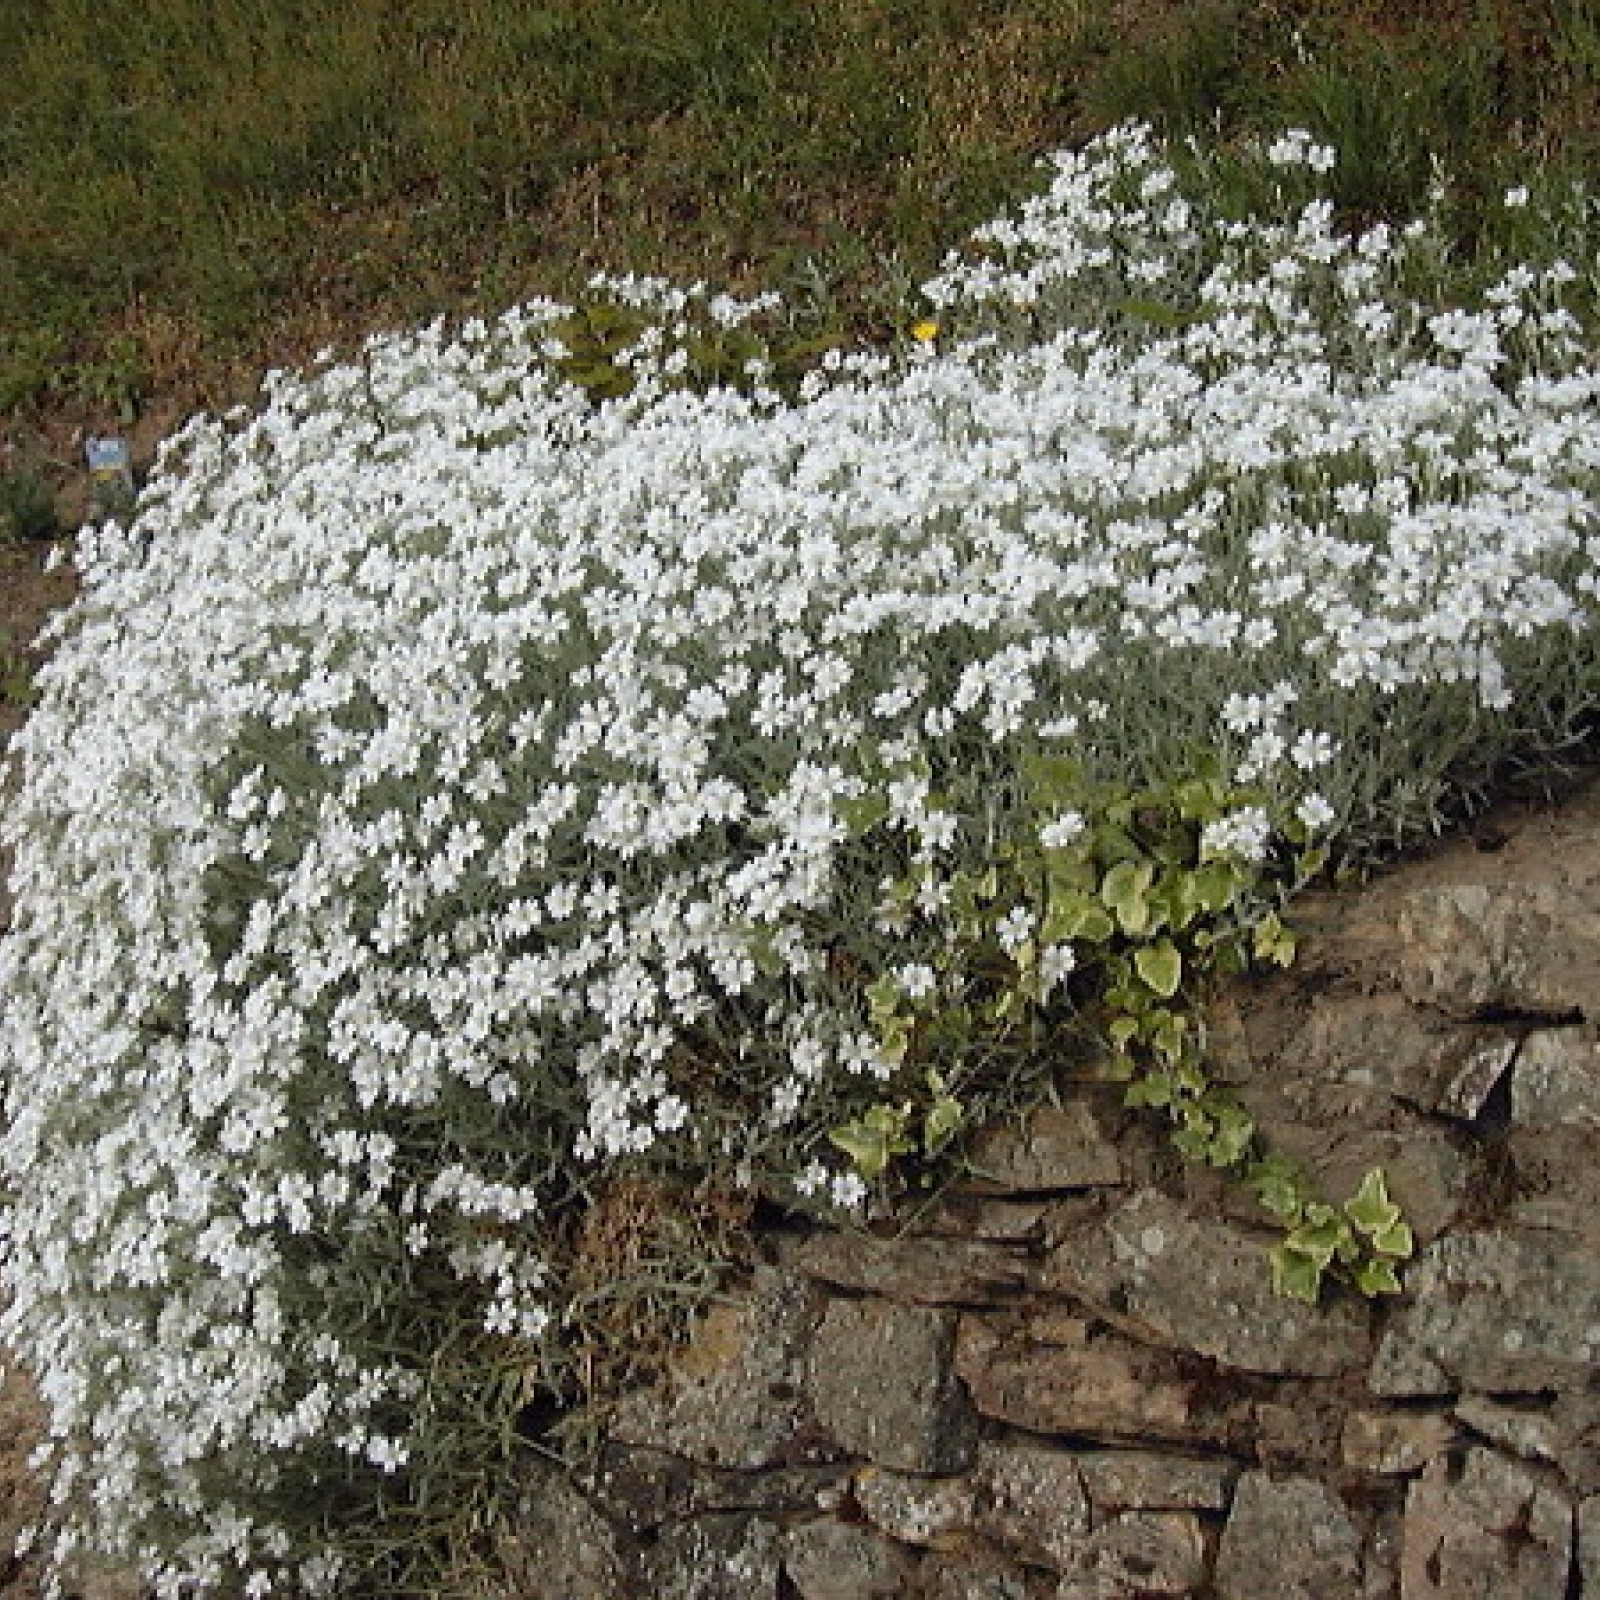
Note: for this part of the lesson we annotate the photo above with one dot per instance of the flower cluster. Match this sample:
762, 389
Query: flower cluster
449, 783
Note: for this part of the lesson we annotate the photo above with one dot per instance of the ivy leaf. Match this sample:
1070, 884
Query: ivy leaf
1371, 1209
1377, 1277
1125, 893
1231, 1138
1160, 966
867, 1147
1273, 942
944, 1118
1295, 1274
1396, 1241
883, 998
1153, 1089
1072, 916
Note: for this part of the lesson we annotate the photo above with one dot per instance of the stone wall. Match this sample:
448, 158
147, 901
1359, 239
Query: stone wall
1070, 1379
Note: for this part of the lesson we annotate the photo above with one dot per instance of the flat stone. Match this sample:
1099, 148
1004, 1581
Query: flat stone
1495, 1311
1287, 1539
883, 1387
1530, 1434
777, 1491
715, 1558
1485, 1530
1148, 1480
1053, 1148
1381, 1042
974, 1576
1390, 1443
1097, 1386
734, 1396
932, 1512
1588, 1545
915, 1271
829, 1560
1139, 1553
1467, 948
1556, 1083
639, 1488
1003, 1220
1031, 1502
1206, 1287
563, 1548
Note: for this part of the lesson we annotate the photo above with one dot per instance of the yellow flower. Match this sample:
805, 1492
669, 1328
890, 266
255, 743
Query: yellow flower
925, 332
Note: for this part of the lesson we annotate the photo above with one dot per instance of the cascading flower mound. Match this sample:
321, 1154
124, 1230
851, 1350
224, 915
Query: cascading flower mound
451, 788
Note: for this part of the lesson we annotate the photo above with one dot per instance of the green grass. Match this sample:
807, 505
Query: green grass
194, 189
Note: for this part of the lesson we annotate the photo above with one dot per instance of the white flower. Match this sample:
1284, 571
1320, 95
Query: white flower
1063, 831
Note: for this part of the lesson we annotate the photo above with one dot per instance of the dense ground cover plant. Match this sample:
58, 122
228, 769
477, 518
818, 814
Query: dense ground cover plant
503, 762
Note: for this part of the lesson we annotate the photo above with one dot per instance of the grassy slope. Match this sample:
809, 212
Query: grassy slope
193, 189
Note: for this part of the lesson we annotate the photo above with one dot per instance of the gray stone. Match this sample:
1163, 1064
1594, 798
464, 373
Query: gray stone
1588, 1546
1031, 1502
1393, 1442
1054, 1148
916, 1510
917, 1271
1206, 1287
1556, 1083
1289, 1539
1081, 1382
1383, 1043
1148, 1480
715, 1558
838, 1561
1500, 1312
1139, 1553
639, 1488
774, 1490
1529, 1434
734, 1396
1473, 947
1485, 1529
974, 1576
564, 1549
882, 1385
1003, 1220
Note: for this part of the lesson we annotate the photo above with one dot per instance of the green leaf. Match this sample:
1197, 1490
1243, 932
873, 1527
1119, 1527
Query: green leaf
1296, 1275
1123, 1031
1153, 1089
1377, 1277
883, 998
894, 1039
1321, 1241
1215, 884
1075, 916
1277, 1185
862, 814
1124, 892
1161, 966
1273, 942
1396, 1241
1233, 1132
867, 1147
944, 1118
1371, 1209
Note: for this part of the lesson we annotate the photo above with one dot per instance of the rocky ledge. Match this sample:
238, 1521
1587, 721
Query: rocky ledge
1069, 1379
